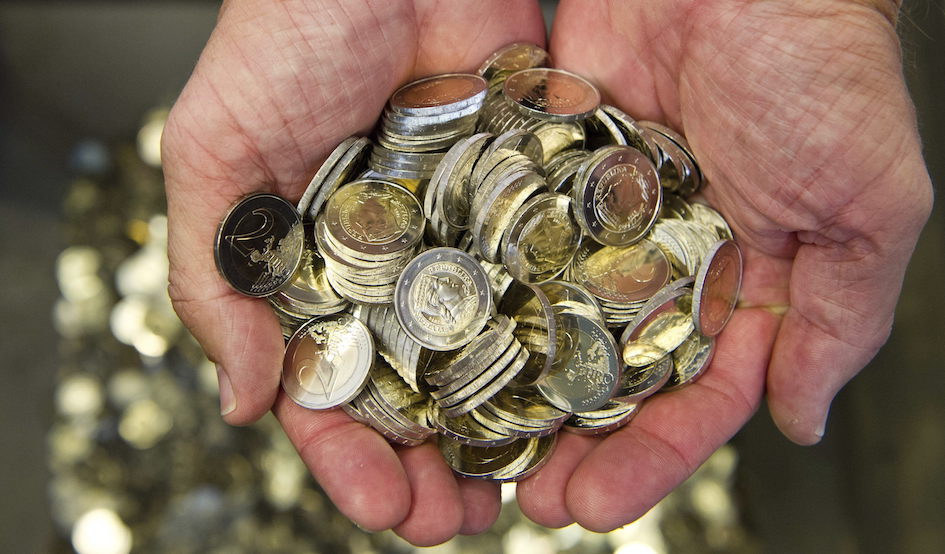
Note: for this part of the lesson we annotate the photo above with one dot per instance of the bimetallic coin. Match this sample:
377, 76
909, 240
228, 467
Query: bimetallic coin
625, 274
716, 288
439, 94
327, 361
374, 217
259, 244
552, 94
480, 461
514, 57
540, 239
443, 298
584, 374
690, 360
638, 383
617, 196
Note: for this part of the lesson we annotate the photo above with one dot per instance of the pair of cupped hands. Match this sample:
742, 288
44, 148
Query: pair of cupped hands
799, 117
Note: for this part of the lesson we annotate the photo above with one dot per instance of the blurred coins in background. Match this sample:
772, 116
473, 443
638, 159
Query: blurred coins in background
139, 459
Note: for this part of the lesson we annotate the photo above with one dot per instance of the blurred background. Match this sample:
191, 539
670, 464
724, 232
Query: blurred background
111, 438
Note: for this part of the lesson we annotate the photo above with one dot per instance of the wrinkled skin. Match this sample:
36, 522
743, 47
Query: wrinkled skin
799, 117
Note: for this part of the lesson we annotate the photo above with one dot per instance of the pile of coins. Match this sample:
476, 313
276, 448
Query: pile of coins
509, 258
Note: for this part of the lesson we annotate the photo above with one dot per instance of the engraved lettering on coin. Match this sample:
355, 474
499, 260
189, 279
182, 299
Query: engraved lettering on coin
621, 199
444, 297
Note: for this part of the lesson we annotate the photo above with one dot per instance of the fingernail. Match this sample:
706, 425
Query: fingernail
227, 398
822, 428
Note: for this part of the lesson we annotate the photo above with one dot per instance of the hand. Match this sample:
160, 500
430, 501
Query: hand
277, 87
799, 117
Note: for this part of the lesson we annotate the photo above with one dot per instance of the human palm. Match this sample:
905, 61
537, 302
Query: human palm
800, 121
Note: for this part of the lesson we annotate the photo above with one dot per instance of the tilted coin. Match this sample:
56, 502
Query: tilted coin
514, 57
350, 163
638, 383
661, 324
621, 274
480, 461
617, 195
259, 244
443, 299
690, 360
540, 238
439, 94
586, 367
319, 178
535, 460
552, 94
716, 288
327, 361
532, 312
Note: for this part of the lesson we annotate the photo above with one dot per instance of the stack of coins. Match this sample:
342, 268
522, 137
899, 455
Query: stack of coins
523, 259
422, 120
368, 233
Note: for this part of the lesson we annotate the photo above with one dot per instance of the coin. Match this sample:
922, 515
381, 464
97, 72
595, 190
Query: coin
540, 238
638, 383
319, 178
439, 94
715, 291
622, 274
259, 244
443, 299
374, 218
350, 163
552, 94
327, 361
586, 367
617, 195
512, 58
690, 360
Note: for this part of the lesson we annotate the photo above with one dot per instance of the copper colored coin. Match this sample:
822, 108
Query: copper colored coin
552, 94
715, 292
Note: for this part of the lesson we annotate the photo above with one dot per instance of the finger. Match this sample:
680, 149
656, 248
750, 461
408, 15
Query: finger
353, 464
633, 468
542, 497
436, 509
481, 504
841, 314
620, 56
238, 333
458, 37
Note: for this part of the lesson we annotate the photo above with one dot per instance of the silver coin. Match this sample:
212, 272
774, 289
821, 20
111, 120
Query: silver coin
617, 196
443, 299
327, 361
259, 244
586, 367
319, 178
